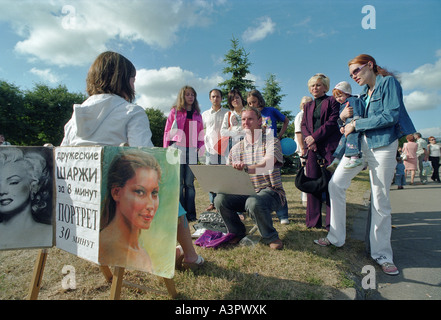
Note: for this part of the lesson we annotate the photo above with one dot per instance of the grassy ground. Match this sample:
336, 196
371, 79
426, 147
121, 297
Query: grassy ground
301, 271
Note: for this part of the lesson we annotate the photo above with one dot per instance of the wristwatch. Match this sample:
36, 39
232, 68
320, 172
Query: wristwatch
245, 168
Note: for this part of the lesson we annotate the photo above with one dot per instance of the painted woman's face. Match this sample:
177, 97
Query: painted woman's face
138, 200
14, 187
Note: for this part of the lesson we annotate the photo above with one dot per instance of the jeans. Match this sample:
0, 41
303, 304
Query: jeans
259, 206
382, 163
213, 159
282, 213
187, 192
348, 146
435, 167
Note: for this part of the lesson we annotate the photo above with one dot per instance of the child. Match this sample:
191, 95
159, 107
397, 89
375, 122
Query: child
348, 146
400, 177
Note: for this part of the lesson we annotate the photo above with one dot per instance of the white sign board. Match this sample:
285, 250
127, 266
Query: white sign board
223, 179
78, 193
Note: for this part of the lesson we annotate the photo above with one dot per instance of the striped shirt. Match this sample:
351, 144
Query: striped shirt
252, 153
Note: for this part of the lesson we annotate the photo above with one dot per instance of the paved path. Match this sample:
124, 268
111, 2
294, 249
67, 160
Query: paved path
416, 243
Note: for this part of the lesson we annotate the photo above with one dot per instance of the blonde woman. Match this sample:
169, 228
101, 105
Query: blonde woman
321, 133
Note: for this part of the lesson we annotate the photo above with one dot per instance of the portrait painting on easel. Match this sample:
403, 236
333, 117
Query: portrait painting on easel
26, 195
118, 206
139, 210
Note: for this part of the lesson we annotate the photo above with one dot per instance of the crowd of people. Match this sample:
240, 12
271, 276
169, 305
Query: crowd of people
343, 132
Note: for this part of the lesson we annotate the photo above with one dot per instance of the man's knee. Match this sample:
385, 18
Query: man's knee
219, 200
256, 205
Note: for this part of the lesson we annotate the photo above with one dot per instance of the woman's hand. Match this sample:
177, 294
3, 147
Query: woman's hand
309, 140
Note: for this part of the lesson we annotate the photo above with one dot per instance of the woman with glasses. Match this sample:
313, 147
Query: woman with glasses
434, 154
384, 122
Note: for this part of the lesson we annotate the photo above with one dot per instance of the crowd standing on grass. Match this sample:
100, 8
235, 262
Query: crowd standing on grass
368, 128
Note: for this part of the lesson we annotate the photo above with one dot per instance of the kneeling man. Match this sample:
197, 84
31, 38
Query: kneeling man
261, 156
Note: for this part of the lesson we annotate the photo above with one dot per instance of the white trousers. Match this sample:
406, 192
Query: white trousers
382, 163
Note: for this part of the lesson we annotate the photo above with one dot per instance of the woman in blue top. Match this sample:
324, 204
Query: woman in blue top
385, 121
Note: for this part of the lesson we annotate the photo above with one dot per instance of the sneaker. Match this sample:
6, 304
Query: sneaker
284, 221
354, 162
389, 269
333, 165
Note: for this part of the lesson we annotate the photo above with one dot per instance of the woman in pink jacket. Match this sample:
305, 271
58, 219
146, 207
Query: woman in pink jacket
187, 136
410, 162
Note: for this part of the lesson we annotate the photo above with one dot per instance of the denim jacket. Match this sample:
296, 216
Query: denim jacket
386, 118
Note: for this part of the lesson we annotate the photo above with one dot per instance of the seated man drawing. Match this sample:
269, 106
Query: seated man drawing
261, 156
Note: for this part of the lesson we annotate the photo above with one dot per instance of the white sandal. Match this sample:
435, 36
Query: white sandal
193, 265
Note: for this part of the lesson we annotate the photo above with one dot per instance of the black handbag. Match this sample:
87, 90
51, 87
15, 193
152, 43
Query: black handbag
313, 185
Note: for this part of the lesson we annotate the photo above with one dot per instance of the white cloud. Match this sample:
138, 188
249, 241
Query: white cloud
46, 75
427, 132
159, 88
425, 86
260, 32
428, 76
419, 100
73, 33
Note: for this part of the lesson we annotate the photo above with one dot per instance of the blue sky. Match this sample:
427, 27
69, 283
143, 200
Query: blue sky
175, 43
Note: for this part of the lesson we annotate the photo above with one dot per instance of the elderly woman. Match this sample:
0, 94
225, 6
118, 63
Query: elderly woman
385, 121
321, 133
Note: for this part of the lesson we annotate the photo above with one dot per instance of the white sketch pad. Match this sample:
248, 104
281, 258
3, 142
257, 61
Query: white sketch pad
223, 179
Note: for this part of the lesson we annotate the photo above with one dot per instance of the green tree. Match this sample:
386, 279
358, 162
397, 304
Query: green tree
157, 121
11, 112
46, 112
271, 92
273, 98
238, 67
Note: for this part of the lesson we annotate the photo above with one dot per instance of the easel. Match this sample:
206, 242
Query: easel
115, 278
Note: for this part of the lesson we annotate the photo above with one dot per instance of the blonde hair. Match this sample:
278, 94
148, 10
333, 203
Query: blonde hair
323, 78
304, 101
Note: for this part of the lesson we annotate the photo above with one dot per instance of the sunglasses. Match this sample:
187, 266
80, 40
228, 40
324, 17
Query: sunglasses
356, 71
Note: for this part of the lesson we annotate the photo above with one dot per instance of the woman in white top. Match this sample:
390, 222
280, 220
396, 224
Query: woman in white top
434, 155
108, 117
232, 123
